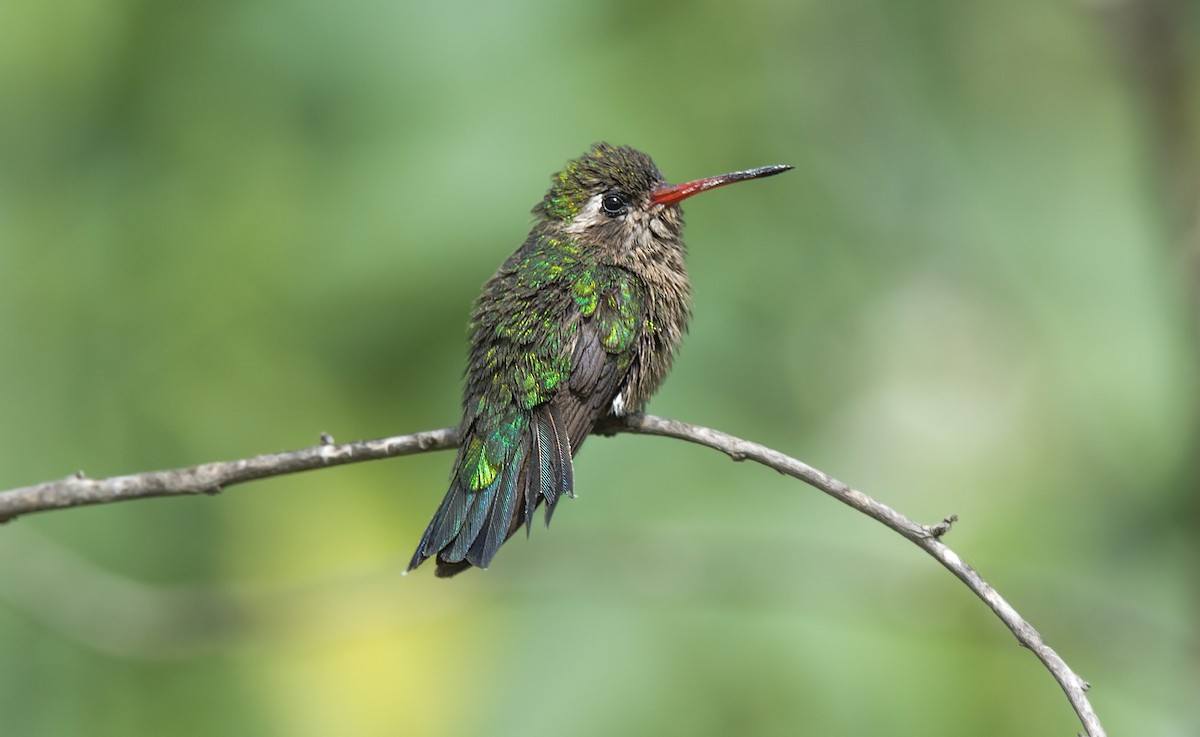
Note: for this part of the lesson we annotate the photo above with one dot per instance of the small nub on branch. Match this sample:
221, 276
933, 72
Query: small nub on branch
941, 528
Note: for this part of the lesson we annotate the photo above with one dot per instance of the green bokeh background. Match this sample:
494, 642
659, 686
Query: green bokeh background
228, 226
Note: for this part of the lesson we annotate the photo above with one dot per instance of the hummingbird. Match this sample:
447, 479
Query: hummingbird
581, 323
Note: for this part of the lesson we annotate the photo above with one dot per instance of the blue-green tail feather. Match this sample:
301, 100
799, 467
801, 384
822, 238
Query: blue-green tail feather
516, 467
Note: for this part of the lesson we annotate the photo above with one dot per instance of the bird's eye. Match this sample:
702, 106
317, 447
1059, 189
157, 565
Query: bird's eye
614, 204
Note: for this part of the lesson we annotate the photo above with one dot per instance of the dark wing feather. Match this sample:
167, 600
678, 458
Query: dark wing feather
596, 380
536, 472
562, 479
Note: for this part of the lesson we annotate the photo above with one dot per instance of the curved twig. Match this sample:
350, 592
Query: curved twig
210, 478
926, 537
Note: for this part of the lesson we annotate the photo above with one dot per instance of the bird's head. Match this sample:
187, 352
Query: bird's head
614, 199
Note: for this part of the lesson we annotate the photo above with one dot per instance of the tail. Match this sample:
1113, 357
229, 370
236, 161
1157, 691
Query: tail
500, 476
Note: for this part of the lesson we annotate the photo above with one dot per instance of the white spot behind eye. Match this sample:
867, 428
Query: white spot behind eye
589, 215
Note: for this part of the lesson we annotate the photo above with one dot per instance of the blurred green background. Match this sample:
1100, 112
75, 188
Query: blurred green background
228, 226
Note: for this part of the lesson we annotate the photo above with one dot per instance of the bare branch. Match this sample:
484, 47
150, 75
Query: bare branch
210, 478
